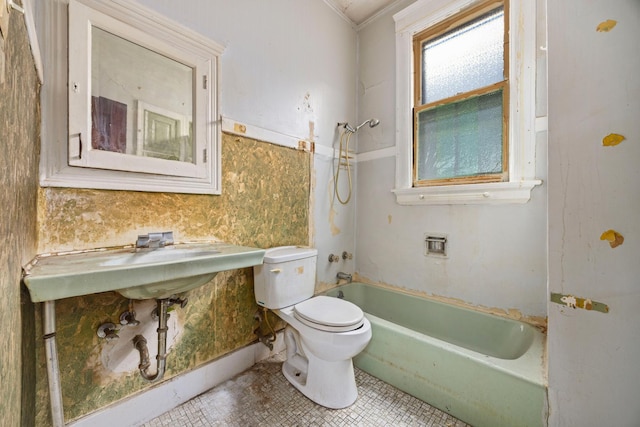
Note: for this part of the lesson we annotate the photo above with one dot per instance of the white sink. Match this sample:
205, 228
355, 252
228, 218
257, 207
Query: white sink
135, 273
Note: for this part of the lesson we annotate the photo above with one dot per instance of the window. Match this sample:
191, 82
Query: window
459, 123
461, 119
141, 94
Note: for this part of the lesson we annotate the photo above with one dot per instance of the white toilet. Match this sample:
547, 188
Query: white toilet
323, 333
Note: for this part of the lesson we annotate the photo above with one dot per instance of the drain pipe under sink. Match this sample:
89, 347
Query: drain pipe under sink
53, 370
51, 353
140, 343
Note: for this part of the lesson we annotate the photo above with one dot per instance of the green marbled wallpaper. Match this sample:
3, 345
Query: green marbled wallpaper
19, 136
264, 203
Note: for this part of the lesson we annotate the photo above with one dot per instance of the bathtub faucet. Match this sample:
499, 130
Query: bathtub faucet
344, 276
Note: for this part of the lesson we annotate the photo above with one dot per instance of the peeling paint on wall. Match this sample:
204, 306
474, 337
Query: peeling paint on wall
306, 104
606, 26
572, 301
614, 238
239, 128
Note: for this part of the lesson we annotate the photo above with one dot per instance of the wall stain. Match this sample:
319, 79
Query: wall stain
264, 203
612, 139
606, 26
335, 230
614, 238
306, 106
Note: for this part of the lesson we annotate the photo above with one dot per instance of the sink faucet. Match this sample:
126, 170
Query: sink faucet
155, 240
344, 276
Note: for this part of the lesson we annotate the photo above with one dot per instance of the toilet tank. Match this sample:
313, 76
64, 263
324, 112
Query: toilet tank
286, 277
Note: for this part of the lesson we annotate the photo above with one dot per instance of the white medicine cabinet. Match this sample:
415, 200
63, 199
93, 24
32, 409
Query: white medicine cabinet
141, 97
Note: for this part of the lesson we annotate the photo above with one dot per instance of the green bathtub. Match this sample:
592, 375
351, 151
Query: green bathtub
485, 370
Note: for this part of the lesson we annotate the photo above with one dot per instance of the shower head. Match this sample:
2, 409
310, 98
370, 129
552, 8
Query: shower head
372, 123
348, 128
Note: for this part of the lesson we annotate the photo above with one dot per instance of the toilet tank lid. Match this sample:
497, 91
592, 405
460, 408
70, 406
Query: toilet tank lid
288, 253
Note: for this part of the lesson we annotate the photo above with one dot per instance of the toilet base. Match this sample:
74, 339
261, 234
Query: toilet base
330, 384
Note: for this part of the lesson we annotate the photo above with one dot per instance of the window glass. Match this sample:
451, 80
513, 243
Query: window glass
464, 59
461, 139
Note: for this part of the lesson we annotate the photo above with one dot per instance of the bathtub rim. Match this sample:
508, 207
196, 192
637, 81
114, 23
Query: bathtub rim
537, 322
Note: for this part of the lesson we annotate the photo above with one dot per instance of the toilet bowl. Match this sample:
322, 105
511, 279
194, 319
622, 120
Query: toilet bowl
323, 334
319, 363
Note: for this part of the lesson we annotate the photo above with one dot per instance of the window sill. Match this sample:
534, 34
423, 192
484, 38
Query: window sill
468, 194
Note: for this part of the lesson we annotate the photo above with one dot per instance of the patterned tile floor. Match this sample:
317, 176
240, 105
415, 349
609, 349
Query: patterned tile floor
262, 396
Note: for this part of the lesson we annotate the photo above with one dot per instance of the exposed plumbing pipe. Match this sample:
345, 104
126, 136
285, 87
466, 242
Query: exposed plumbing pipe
53, 370
266, 339
140, 343
344, 276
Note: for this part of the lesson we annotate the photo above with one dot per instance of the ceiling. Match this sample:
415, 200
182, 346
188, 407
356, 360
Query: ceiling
358, 11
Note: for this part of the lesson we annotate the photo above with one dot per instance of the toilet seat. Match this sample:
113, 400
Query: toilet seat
329, 314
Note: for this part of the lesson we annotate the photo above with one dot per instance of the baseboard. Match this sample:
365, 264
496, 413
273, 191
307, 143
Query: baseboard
151, 403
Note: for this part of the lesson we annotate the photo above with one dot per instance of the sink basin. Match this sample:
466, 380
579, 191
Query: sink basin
135, 273
148, 256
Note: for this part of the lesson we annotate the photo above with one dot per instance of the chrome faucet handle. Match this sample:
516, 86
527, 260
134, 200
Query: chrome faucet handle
155, 240
143, 241
167, 238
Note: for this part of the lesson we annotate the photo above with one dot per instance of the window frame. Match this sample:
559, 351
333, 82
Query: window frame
520, 58
453, 23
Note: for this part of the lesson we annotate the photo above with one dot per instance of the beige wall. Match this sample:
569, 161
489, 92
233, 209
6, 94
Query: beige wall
19, 134
264, 203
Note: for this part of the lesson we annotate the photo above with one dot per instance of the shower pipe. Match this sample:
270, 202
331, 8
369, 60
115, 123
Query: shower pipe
344, 154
